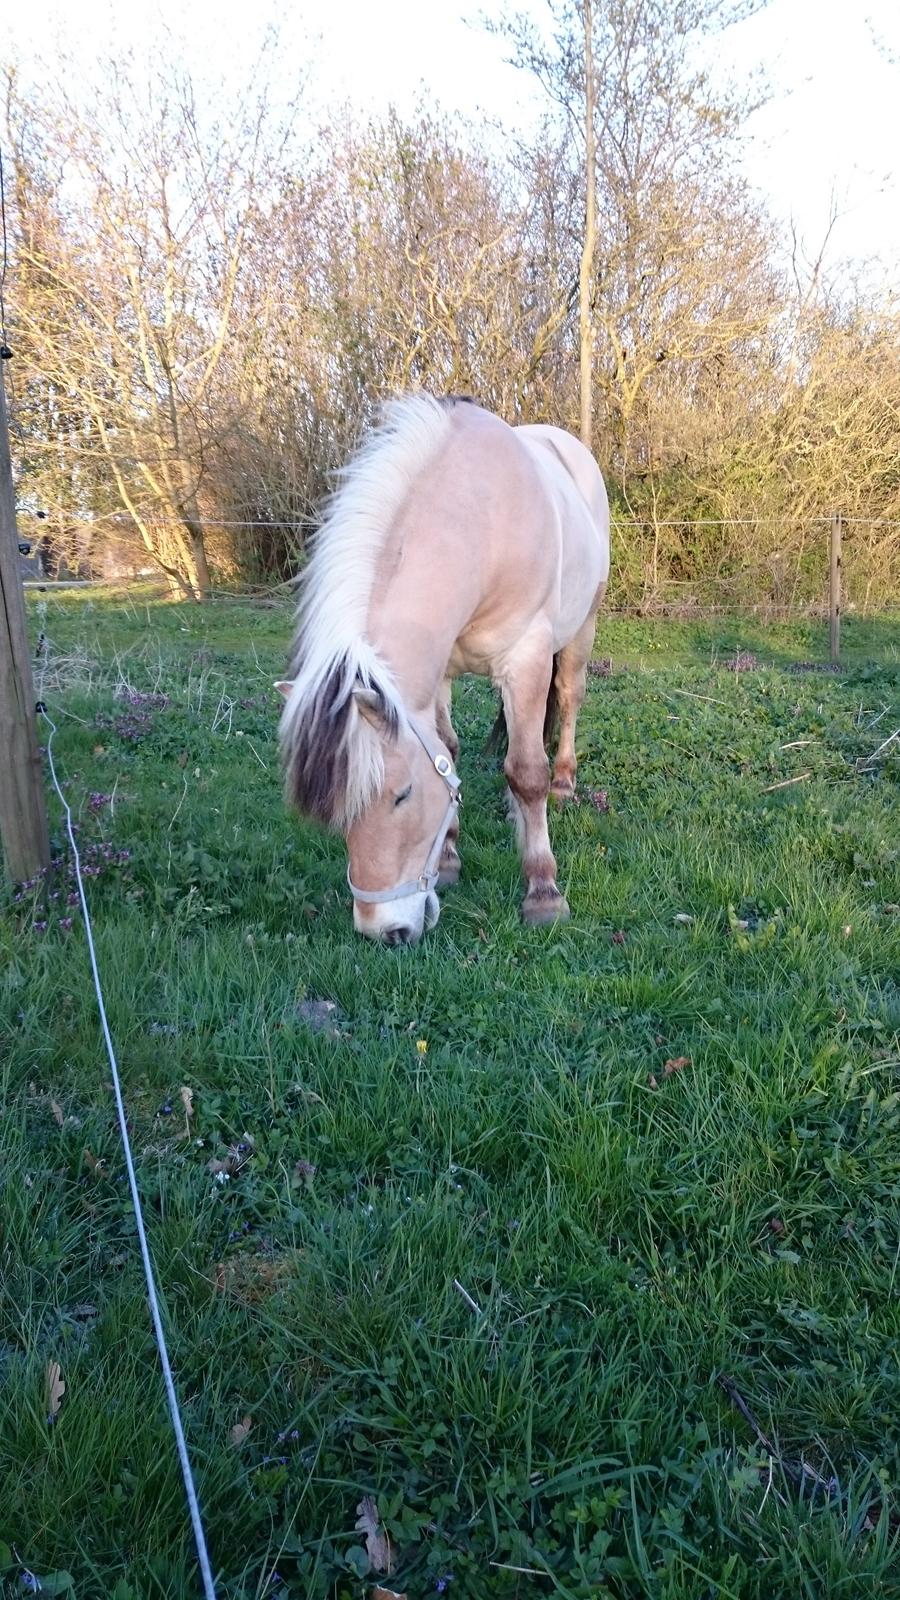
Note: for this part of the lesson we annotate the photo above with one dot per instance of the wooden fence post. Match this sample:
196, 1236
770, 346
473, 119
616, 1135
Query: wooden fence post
834, 587
23, 814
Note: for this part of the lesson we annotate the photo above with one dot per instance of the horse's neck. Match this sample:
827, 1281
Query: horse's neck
417, 612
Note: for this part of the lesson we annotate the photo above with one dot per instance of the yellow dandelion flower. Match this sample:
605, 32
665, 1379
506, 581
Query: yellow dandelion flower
422, 1046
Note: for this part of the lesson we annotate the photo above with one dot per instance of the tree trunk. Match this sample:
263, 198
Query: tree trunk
202, 579
585, 276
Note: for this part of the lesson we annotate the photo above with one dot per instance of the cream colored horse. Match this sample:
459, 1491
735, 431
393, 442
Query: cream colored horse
454, 544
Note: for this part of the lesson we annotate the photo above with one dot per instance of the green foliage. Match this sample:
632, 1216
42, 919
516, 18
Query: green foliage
624, 1244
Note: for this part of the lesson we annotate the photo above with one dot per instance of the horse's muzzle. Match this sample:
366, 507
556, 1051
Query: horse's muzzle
398, 922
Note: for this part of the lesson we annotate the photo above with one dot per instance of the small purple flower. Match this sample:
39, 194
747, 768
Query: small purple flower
443, 1583
166, 1110
29, 1581
744, 661
71, 899
599, 800
40, 926
66, 924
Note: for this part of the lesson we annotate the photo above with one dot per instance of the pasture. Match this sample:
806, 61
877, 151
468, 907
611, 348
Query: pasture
656, 1145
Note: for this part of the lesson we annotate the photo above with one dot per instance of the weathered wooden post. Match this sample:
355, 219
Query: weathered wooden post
834, 588
23, 814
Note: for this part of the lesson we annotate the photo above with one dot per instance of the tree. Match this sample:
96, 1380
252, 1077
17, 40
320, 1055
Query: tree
635, 102
132, 235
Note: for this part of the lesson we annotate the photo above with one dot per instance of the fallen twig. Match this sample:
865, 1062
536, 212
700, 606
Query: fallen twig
888, 741
785, 783
472, 1304
798, 1471
707, 697
504, 1566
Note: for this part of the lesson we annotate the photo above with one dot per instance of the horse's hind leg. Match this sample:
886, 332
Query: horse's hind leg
570, 683
525, 684
449, 866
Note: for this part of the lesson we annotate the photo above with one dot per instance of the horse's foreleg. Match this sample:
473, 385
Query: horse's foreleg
570, 684
525, 685
449, 866
445, 729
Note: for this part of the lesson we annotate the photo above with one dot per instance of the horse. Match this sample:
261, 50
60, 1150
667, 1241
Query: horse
454, 543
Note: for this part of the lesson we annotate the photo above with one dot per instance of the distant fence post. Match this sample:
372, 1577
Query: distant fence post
834, 587
23, 815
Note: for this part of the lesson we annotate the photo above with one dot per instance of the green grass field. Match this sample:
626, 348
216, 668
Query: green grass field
627, 1235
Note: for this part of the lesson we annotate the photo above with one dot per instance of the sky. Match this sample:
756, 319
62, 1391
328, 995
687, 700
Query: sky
829, 135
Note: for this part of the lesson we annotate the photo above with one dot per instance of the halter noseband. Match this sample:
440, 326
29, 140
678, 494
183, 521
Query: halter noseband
428, 877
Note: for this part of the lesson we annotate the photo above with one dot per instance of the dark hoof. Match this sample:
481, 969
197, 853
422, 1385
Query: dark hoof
543, 906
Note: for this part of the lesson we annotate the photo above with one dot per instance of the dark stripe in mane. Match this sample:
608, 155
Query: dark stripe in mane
317, 752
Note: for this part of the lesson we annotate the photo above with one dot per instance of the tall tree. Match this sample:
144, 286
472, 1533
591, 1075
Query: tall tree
586, 274
132, 234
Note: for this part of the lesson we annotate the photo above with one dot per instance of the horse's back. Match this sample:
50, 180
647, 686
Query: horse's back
580, 465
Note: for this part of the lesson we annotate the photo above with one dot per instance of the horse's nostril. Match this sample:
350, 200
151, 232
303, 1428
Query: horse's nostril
396, 935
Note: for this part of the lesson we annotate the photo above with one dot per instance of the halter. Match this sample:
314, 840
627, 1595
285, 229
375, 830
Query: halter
428, 877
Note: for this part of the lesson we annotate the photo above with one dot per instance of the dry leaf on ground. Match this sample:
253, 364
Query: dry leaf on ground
58, 1115
378, 1593
187, 1100
55, 1389
676, 1064
239, 1432
378, 1545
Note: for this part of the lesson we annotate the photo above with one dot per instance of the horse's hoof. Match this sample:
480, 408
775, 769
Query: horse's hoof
543, 906
562, 790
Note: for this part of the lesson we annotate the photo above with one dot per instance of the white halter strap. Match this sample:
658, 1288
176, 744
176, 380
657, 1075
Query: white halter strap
428, 877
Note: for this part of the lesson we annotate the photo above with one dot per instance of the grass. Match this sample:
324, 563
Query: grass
625, 1244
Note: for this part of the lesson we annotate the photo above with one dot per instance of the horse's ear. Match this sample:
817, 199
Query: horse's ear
284, 687
371, 707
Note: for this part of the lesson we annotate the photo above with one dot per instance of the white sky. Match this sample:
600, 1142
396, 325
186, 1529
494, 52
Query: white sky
831, 128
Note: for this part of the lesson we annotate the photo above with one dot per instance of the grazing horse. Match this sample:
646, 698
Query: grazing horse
454, 544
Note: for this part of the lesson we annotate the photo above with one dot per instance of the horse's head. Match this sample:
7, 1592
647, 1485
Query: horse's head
394, 797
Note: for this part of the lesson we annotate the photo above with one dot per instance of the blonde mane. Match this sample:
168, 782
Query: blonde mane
332, 757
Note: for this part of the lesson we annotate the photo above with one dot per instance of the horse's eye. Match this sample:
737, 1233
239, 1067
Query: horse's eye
404, 795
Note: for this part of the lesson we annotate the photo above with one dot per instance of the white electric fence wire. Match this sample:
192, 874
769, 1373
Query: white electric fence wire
152, 1294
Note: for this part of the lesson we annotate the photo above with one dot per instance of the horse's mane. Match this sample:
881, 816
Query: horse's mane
331, 755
